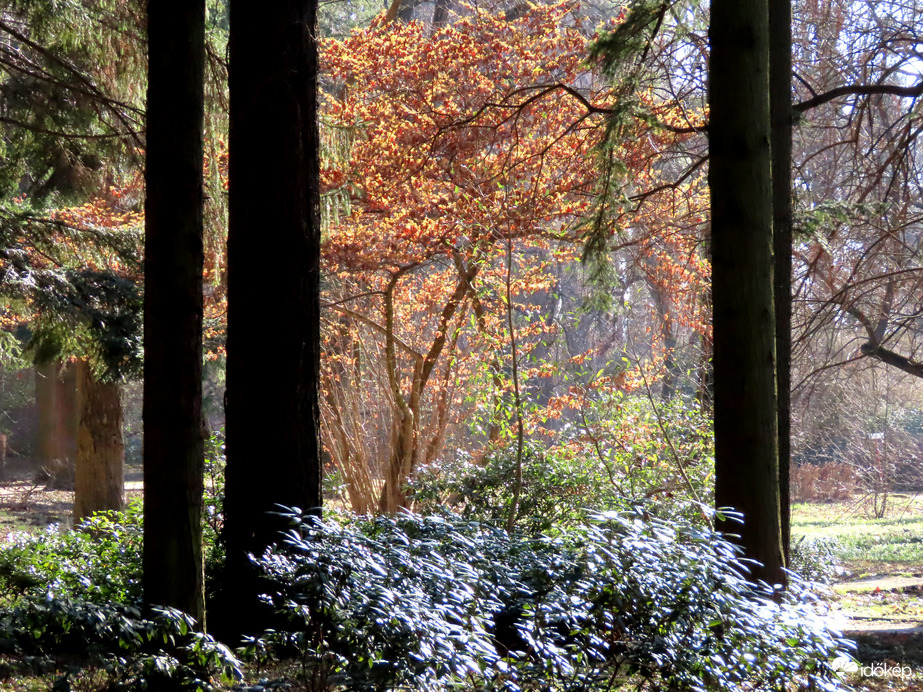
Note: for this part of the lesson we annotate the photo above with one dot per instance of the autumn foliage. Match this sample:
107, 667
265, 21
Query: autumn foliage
461, 167
460, 175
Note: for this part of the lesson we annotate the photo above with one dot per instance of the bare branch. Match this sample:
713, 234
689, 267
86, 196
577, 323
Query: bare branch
911, 367
860, 90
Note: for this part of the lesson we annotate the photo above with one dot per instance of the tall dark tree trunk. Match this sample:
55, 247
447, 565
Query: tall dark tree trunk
780, 99
99, 467
173, 444
273, 365
746, 456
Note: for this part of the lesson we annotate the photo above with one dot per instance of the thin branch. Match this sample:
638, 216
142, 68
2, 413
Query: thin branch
517, 401
378, 328
804, 83
335, 303
642, 196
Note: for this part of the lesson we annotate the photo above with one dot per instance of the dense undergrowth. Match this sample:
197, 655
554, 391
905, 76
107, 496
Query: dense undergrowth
442, 603
634, 597
432, 603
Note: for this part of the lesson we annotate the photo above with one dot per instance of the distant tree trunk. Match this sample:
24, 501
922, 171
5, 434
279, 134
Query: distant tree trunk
56, 444
173, 262
405, 14
99, 468
46, 442
67, 409
668, 341
400, 9
780, 85
273, 429
705, 390
746, 438
441, 14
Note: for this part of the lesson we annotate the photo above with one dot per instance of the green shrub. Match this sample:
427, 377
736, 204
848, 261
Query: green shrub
440, 602
652, 451
100, 562
623, 451
816, 559
213, 514
161, 651
75, 596
556, 489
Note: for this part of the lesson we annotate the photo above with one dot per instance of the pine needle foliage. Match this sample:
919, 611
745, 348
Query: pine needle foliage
624, 55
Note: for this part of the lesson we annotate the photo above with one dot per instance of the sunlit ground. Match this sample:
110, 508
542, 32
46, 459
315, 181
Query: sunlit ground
865, 543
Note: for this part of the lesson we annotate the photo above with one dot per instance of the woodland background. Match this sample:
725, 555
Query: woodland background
514, 299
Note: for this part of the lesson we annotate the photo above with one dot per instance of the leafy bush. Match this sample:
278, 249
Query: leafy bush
437, 602
162, 651
75, 594
556, 488
100, 562
624, 451
213, 513
816, 559
650, 449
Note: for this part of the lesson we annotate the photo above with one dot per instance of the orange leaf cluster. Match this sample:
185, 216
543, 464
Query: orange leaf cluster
460, 139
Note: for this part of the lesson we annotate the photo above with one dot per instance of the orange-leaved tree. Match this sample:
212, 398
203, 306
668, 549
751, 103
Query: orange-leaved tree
458, 164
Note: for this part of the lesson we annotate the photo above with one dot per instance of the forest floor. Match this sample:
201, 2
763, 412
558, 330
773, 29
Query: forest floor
28, 501
877, 600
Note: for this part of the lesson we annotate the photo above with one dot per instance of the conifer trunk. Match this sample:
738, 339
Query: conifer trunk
746, 441
273, 364
173, 439
780, 84
67, 409
58, 416
99, 467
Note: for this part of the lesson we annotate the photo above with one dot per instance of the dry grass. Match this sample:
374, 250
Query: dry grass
830, 482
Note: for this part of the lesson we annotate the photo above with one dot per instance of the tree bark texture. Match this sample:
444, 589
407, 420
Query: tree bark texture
173, 444
746, 440
780, 100
99, 473
273, 363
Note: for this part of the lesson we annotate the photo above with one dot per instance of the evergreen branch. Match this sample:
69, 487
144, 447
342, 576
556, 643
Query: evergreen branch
90, 89
65, 135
